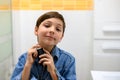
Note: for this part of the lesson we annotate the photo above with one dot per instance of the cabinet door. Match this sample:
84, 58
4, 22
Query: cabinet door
106, 35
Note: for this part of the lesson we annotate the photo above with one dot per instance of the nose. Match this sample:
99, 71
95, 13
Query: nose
52, 30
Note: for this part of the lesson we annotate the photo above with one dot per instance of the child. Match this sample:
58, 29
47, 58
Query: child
52, 63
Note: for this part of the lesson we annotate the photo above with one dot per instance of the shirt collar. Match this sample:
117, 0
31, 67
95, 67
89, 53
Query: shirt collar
55, 52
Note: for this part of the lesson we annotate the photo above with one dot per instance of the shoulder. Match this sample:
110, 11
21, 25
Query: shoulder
24, 55
67, 55
22, 58
66, 59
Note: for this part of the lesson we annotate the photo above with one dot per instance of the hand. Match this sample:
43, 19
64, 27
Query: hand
32, 54
47, 60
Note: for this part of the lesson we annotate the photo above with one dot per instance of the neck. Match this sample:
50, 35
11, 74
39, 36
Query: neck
48, 48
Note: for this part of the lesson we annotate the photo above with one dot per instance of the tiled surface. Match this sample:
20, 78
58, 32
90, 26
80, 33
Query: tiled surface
5, 39
49, 5
4, 4
5, 23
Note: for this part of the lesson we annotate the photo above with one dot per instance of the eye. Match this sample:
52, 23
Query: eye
47, 25
58, 29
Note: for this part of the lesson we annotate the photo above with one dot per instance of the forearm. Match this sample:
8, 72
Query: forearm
26, 72
54, 75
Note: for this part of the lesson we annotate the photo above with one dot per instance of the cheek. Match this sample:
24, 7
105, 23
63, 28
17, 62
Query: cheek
40, 30
60, 38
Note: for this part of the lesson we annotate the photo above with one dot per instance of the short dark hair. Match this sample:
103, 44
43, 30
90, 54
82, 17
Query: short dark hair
51, 14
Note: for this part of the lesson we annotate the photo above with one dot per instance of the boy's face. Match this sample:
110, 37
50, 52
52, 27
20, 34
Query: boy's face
50, 32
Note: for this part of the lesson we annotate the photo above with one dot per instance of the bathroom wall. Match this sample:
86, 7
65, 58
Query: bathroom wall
5, 40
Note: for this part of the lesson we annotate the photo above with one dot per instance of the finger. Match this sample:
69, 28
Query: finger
45, 63
42, 60
34, 52
44, 56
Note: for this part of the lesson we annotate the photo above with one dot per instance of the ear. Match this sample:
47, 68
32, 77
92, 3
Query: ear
36, 30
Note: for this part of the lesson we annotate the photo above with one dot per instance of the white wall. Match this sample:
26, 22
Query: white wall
77, 39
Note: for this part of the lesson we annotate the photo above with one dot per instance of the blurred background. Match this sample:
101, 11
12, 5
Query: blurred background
92, 34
